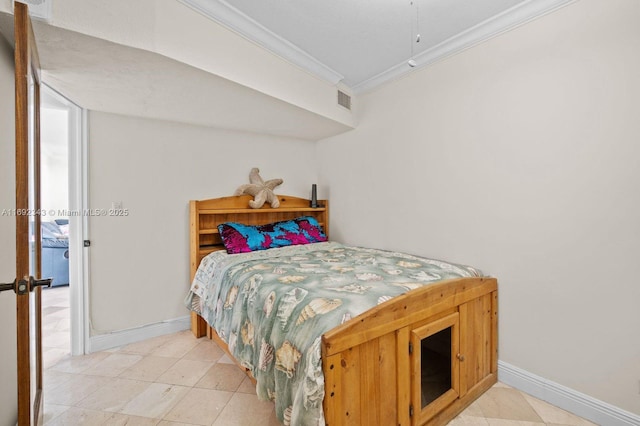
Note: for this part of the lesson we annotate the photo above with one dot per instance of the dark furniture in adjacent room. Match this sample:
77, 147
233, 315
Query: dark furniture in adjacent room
55, 251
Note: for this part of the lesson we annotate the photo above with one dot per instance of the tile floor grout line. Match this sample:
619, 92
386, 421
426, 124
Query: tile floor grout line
150, 351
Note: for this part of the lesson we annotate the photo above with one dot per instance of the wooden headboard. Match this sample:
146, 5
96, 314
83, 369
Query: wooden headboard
206, 215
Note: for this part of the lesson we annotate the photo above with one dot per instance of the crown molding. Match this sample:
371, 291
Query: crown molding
223, 13
492, 27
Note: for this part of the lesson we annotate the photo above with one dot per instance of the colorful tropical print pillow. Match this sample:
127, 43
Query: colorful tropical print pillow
239, 238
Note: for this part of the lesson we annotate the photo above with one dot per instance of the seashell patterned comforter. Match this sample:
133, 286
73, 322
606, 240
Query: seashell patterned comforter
271, 307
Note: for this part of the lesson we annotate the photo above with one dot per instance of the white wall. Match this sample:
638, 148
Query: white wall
8, 384
140, 263
519, 156
54, 162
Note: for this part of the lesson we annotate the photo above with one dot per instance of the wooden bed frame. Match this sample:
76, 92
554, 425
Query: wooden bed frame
372, 363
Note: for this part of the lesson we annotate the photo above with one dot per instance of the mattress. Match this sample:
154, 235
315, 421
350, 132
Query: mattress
271, 307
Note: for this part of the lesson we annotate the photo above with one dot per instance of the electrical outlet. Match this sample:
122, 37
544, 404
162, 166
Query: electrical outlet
116, 205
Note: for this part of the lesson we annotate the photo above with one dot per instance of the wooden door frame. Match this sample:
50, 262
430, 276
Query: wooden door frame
27, 66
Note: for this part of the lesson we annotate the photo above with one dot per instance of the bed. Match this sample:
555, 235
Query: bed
418, 355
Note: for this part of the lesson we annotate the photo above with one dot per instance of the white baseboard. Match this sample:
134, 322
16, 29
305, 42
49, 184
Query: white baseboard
568, 399
115, 339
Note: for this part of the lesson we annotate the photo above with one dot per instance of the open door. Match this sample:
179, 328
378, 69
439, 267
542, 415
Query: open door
27, 213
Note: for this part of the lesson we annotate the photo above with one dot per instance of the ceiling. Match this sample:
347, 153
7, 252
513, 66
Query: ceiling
357, 44
363, 43
103, 76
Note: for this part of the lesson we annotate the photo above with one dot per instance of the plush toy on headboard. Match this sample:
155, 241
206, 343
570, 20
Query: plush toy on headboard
262, 191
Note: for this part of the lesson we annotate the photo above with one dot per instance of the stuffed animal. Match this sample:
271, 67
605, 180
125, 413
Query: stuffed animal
262, 191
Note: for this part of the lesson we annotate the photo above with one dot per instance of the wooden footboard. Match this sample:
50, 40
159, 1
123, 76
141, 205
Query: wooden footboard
372, 365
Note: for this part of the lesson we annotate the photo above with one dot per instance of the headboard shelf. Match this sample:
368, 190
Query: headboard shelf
206, 215
298, 210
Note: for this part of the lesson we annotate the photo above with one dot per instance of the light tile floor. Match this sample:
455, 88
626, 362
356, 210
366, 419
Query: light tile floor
176, 380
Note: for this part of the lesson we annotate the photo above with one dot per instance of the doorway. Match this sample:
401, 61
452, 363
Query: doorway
63, 226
